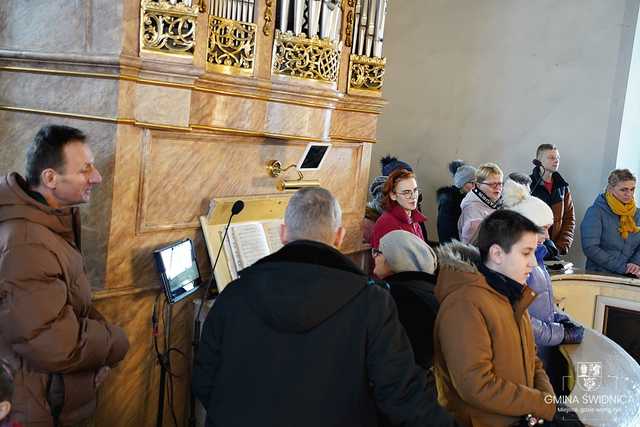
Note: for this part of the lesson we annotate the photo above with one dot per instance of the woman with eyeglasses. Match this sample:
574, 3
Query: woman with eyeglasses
610, 228
481, 201
400, 202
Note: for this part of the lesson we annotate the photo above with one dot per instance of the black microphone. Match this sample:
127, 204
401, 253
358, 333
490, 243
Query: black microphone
237, 207
538, 163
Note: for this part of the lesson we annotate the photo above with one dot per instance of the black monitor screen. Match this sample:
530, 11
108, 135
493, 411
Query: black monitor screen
314, 157
178, 269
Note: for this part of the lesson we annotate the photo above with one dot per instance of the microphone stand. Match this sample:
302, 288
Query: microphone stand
544, 170
198, 324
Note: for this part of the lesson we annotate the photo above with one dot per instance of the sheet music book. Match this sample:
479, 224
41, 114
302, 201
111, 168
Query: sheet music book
248, 242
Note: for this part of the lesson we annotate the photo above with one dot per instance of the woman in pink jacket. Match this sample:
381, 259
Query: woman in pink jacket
481, 201
400, 201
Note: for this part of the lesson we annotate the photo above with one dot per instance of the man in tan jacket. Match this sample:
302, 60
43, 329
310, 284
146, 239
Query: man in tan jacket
487, 371
58, 343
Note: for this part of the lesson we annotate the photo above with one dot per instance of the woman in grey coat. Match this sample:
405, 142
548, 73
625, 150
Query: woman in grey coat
610, 232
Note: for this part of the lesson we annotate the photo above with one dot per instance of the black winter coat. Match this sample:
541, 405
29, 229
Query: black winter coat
449, 199
412, 292
303, 338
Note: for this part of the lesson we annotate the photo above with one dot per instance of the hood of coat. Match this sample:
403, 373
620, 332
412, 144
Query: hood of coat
303, 284
601, 203
16, 204
458, 268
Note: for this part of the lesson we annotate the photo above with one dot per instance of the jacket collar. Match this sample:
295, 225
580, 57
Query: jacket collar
486, 199
417, 282
400, 214
556, 178
541, 252
312, 252
406, 276
501, 283
16, 202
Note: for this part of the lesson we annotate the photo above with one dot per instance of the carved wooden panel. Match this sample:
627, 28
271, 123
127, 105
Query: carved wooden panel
181, 173
164, 181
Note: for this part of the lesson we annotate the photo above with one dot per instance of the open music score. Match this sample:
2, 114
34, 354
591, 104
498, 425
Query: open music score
253, 234
250, 241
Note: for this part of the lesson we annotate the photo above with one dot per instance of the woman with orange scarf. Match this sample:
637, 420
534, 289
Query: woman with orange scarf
610, 228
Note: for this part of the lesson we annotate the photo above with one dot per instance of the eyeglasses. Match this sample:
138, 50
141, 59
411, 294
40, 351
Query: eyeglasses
375, 252
494, 185
408, 194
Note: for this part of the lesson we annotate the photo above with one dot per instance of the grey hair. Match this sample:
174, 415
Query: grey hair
617, 176
313, 214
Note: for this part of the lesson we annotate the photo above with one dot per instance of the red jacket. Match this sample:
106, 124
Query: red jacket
397, 219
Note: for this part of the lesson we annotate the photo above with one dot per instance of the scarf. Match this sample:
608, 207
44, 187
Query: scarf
626, 212
486, 200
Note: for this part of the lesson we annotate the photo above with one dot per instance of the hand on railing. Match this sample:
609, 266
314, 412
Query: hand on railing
573, 333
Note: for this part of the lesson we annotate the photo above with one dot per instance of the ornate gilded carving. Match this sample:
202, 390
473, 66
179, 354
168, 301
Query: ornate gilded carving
351, 3
232, 45
349, 30
268, 18
309, 58
168, 28
366, 73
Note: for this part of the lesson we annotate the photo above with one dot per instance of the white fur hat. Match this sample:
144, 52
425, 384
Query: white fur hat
516, 197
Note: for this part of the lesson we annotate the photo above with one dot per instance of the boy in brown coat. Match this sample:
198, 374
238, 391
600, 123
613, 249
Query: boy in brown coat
58, 343
487, 371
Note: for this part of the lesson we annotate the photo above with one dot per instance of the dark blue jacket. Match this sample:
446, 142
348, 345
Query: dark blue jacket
604, 247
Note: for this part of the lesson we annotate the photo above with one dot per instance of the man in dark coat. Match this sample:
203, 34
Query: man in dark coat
548, 185
303, 338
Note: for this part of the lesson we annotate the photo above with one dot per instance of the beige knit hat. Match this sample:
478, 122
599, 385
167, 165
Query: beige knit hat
405, 251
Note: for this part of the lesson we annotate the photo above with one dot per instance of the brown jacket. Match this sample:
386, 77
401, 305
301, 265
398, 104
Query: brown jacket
561, 203
487, 371
47, 322
564, 223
